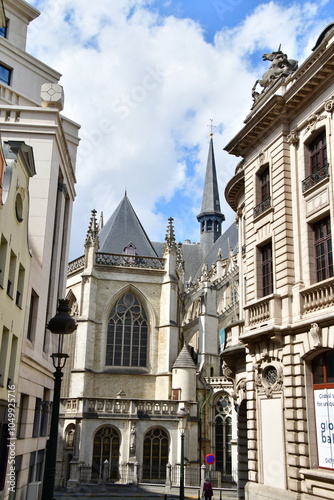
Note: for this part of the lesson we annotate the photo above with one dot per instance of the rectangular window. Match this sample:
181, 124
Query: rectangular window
318, 153
23, 416
37, 418
4, 356
5, 74
267, 269
20, 286
262, 192
323, 249
323, 389
14, 360
3, 260
264, 185
11, 274
3, 443
4, 29
33, 310
17, 468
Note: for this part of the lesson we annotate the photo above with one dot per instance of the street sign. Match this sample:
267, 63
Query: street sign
210, 459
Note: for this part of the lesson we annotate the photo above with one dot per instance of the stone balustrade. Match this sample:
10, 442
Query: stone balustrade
112, 259
318, 297
266, 310
120, 407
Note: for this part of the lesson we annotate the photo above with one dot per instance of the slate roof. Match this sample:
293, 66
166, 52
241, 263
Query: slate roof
184, 359
192, 253
123, 228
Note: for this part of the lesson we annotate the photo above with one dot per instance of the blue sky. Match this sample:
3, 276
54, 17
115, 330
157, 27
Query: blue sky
145, 77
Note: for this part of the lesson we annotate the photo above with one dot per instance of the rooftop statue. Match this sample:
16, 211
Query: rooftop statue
280, 66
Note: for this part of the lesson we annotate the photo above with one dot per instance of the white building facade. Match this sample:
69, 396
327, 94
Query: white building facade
31, 103
280, 355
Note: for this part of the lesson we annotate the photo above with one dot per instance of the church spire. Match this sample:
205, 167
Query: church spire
210, 217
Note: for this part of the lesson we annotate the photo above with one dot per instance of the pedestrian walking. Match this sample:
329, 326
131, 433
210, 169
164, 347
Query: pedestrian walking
207, 489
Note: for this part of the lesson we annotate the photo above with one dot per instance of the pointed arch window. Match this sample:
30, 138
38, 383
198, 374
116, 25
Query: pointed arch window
106, 447
223, 427
155, 455
127, 335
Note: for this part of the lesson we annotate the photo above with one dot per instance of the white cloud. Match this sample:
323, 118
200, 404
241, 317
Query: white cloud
144, 87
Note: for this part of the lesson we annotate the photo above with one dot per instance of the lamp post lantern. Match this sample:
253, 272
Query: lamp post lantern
61, 324
183, 417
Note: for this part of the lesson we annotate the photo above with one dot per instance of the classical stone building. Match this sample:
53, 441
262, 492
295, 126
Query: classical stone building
151, 318
280, 354
31, 103
16, 169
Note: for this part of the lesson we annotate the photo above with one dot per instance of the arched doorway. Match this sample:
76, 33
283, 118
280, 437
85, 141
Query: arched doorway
106, 447
155, 455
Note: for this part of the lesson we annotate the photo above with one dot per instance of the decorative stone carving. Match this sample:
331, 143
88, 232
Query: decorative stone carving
268, 377
280, 67
293, 137
313, 120
133, 440
52, 96
315, 333
228, 372
263, 344
329, 104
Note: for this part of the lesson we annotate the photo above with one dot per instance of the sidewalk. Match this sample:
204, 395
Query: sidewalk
118, 492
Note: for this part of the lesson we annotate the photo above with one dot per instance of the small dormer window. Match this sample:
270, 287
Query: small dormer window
130, 249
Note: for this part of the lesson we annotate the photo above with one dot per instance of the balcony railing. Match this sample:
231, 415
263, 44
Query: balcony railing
121, 260
318, 297
266, 310
262, 207
120, 407
315, 178
113, 259
76, 264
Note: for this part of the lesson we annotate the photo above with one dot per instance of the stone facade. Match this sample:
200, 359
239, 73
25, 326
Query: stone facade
29, 117
281, 352
184, 296
16, 169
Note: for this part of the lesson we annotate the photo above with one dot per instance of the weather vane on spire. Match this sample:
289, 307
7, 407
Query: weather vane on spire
211, 126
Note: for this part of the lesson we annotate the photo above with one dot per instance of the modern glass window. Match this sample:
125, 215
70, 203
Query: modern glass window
267, 269
323, 389
105, 447
323, 249
127, 335
5, 74
155, 455
223, 427
318, 153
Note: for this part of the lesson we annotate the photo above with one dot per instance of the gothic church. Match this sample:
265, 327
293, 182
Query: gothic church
151, 322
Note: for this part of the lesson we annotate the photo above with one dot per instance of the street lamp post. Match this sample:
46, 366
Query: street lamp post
61, 324
183, 416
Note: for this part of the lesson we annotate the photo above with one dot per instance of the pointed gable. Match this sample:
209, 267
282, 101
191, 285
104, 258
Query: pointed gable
124, 227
